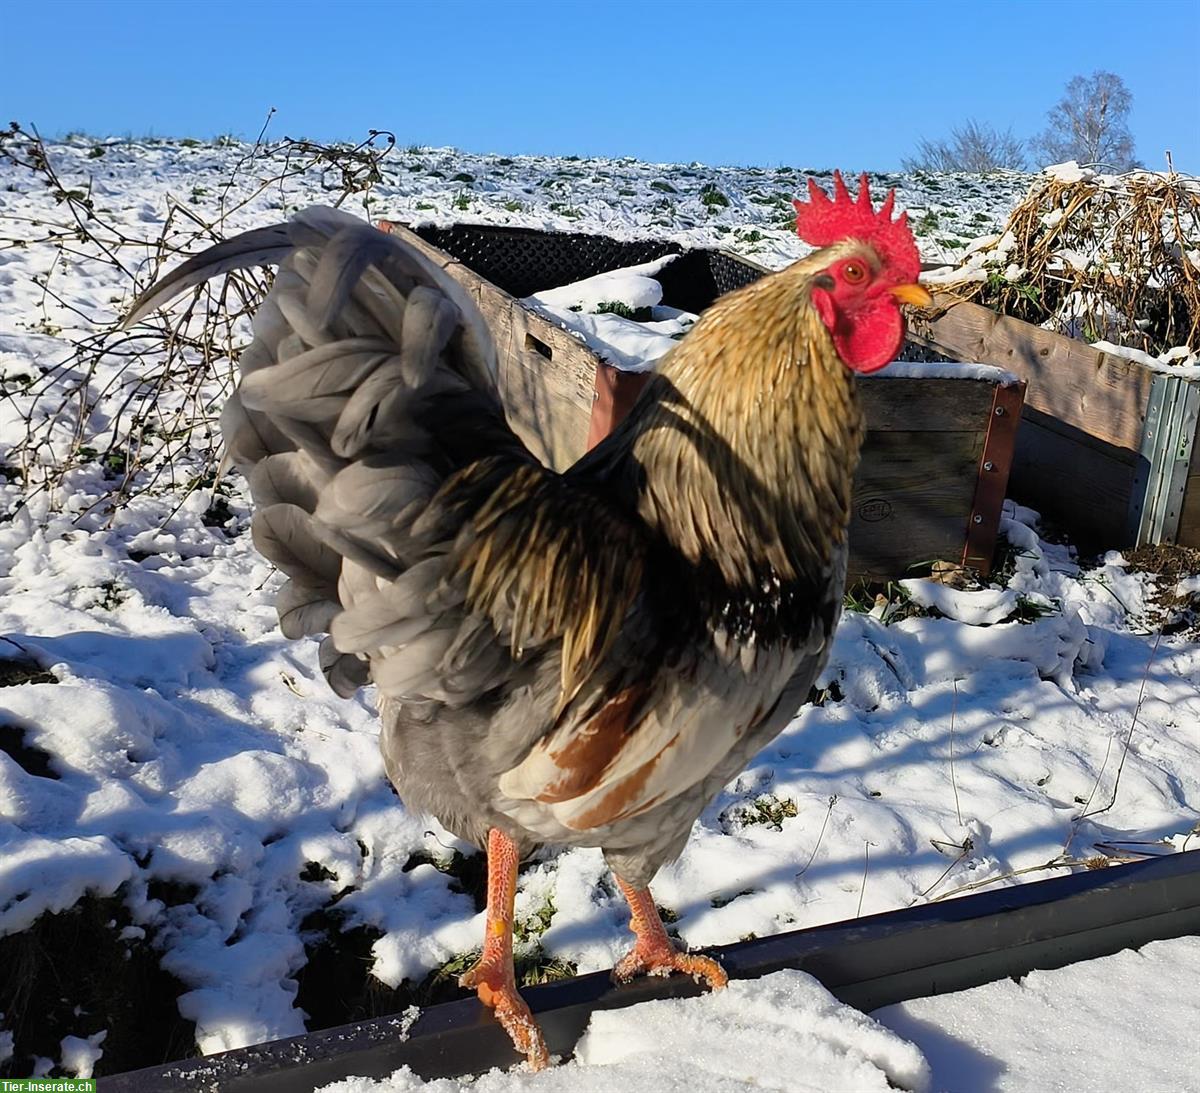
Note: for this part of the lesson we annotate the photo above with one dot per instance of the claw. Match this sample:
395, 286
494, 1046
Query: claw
497, 990
652, 959
654, 953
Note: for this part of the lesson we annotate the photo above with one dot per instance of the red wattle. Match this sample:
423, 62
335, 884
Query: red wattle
873, 340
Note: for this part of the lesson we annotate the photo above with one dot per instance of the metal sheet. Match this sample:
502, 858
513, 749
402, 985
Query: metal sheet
991, 486
1169, 433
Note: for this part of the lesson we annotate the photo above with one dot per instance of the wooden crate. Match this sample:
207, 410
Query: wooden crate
935, 462
1108, 445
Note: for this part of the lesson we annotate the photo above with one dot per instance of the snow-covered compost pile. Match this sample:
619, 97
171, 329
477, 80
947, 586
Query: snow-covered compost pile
198, 846
1111, 259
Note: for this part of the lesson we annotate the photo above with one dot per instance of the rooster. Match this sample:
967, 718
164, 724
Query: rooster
581, 658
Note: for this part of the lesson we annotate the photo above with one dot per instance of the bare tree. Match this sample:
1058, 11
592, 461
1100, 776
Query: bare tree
972, 146
1090, 124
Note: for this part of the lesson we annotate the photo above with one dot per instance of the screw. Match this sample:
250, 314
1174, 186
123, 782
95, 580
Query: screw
999, 411
989, 466
977, 519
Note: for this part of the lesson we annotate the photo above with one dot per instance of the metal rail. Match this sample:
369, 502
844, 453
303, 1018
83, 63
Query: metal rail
869, 962
1160, 481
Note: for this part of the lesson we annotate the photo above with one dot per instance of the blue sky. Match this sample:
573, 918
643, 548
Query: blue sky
854, 84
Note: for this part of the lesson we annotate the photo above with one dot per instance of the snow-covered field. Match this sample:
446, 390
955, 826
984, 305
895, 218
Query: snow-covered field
170, 747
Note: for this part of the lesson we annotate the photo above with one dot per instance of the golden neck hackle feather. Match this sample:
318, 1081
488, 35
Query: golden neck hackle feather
745, 433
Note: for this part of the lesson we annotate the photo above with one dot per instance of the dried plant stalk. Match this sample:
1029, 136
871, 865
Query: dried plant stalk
144, 403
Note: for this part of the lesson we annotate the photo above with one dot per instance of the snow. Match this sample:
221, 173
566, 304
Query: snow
1114, 1023
39, 874
783, 1032
632, 346
634, 286
1069, 172
79, 1057
624, 343
973, 270
948, 370
981, 608
1167, 363
195, 746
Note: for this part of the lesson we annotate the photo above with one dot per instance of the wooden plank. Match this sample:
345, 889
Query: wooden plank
920, 405
616, 392
546, 379
1189, 519
912, 495
1078, 482
1096, 392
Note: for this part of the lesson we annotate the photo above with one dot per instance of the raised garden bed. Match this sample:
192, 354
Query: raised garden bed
1108, 445
935, 463
868, 962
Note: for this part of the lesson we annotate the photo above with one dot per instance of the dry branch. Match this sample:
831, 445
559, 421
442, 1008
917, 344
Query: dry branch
144, 403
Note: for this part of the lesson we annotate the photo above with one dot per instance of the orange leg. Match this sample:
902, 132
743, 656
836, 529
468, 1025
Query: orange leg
653, 952
492, 974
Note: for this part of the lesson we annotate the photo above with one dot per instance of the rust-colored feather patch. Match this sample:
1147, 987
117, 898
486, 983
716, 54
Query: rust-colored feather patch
623, 799
589, 752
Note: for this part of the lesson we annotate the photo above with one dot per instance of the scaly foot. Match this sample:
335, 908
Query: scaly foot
494, 983
654, 958
654, 953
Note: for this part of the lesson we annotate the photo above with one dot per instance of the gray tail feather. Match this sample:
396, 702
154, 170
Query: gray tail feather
331, 420
260, 247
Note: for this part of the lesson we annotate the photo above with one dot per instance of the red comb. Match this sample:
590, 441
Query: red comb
822, 223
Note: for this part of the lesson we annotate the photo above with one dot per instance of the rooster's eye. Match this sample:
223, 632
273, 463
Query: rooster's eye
853, 273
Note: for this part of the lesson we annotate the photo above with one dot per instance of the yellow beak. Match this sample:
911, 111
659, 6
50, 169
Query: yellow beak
912, 294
